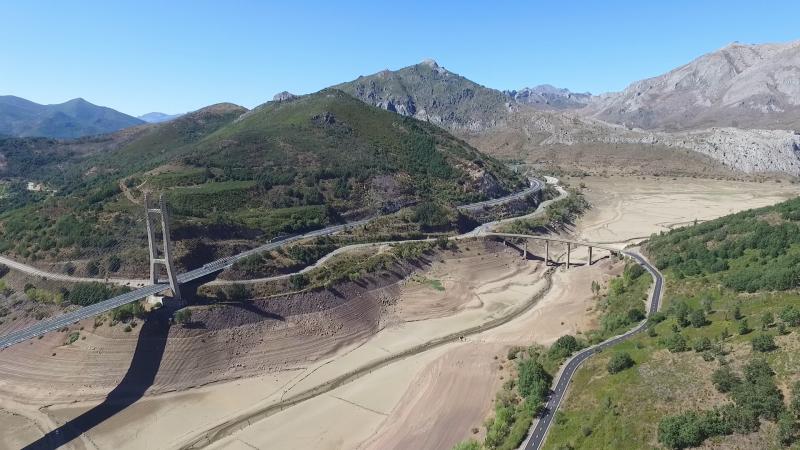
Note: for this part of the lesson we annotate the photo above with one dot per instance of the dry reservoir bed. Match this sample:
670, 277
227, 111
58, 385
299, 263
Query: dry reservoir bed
245, 361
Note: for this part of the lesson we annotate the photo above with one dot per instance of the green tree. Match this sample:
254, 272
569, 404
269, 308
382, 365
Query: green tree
697, 318
564, 346
744, 328
707, 304
619, 362
737, 313
534, 381
681, 311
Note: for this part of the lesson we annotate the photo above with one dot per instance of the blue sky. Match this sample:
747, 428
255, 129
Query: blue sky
178, 56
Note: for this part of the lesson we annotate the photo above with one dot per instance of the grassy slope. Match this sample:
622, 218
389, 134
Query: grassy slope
719, 260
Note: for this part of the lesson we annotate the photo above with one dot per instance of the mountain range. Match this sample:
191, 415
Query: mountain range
72, 119
736, 107
547, 123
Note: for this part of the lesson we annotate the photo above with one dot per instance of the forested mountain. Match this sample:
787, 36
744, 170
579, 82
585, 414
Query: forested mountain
285, 166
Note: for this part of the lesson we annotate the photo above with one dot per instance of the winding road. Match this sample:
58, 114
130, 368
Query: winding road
540, 428
58, 322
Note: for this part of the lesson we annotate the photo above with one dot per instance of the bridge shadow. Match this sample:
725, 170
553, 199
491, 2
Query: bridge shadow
139, 377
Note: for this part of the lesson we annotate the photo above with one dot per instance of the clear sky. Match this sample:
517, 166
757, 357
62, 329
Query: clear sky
176, 56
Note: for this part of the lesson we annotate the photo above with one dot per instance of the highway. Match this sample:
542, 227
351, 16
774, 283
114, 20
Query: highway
542, 426
58, 322
535, 186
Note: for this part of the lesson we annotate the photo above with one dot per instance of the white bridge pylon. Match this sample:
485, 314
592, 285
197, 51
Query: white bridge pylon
155, 259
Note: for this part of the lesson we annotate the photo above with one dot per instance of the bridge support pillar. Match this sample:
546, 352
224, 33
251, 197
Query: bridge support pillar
546, 252
568, 250
166, 242
590, 256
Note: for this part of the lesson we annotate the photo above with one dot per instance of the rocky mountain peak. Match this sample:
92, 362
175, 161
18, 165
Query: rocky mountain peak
283, 96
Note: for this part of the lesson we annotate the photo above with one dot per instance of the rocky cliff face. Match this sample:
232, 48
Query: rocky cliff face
429, 92
742, 86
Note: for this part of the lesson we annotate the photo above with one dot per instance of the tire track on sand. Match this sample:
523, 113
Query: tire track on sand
241, 422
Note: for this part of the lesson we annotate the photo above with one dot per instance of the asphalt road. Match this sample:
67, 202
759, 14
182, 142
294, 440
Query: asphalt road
58, 322
539, 432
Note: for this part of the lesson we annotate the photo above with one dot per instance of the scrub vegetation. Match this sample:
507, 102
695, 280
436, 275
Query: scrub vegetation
718, 363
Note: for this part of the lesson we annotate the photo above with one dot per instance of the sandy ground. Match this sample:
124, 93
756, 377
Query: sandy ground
17, 430
490, 285
625, 208
432, 399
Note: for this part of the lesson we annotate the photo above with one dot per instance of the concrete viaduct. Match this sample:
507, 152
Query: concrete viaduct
570, 244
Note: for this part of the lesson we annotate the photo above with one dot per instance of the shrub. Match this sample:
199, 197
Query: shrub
85, 294
744, 328
635, 315
471, 444
114, 263
676, 343
790, 315
724, 379
299, 281
92, 268
127, 312
619, 362
183, 316
787, 429
72, 337
680, 431
513, 352
702, 344
763, 343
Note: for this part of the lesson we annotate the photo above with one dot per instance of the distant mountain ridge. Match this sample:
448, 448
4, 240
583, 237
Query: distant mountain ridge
546, 96
71, 119
158, 117
740, 85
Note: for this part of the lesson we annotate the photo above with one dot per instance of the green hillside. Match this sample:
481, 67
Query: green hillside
283, 167
720, 365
